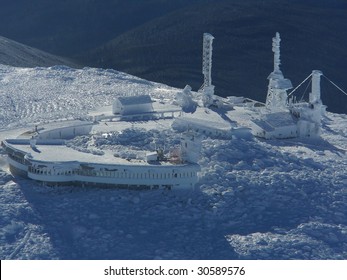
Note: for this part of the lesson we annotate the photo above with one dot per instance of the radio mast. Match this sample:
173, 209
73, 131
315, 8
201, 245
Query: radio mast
207, 88
277, 89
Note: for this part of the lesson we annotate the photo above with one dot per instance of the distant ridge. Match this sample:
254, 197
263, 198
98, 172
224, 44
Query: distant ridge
69, 27
15, 54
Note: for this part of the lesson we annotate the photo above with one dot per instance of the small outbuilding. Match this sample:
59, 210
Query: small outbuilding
132, 105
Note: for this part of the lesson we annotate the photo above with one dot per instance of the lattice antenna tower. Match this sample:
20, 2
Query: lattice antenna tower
277, 52
277, 89
207, 59
207, 88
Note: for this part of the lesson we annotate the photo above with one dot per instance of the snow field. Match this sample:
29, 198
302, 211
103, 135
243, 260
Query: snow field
33, 95
255, 199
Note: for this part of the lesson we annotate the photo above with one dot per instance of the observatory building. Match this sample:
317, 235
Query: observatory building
130, 105
283, 117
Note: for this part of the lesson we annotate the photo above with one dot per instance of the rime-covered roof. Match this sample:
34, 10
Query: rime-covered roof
60, 153
269, 122
134, 100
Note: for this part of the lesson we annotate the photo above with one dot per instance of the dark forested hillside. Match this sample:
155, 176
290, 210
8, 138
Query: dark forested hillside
67, 27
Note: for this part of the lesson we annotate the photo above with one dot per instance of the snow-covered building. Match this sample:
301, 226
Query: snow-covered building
63, 130
52, 161
132, 105
277, 125
282, 119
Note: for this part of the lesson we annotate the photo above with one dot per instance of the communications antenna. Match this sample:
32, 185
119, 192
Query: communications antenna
207, 88
277, 89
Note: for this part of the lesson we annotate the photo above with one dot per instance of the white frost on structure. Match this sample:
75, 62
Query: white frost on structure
316, 93
277, 89
239, 182
316, 105
310, 114
301, 119
185, 100
278, 125
207, 88
63, 130
128, 105
190, 148
54, 163
283, 119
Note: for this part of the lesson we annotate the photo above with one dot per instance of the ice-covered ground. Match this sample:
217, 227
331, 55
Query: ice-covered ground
255, 199
30, 95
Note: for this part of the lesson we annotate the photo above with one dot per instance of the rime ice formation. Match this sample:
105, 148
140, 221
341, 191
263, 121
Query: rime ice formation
277, 89
184, 99
253, 199
51, 161
310, 114
284, 119
128, 105
207, 88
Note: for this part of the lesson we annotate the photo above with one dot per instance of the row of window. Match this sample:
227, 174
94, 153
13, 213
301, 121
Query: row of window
16, 158
111, 174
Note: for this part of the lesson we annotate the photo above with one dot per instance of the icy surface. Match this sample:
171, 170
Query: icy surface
255, 200
29, 95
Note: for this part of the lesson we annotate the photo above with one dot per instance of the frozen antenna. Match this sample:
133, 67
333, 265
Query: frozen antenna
207, 87
277, 52
277, 89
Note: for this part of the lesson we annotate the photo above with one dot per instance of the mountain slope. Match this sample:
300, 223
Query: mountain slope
168, 49
16, 54
256, 199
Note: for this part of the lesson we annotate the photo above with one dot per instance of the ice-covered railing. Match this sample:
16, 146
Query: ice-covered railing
38, 141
